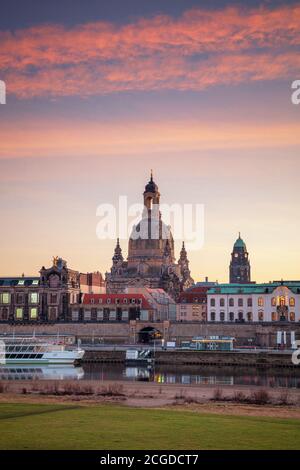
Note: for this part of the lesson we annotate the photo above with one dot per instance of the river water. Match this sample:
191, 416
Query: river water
287, 378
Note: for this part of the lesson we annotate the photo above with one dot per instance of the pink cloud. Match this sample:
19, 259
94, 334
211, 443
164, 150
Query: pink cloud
197, 50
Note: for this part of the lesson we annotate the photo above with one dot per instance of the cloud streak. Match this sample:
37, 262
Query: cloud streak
200, 49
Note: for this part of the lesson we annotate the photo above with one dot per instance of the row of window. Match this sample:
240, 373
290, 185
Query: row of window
33, 298
281, 301
249, 316
117, 301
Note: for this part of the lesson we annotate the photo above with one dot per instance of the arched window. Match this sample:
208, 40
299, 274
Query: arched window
231, 316
260, 316
240, 302
222, 302
260, 301
282, 301
274, 316
292, 302
292, 316
249, 302
273, 302
249, 316
231, 302
212, 302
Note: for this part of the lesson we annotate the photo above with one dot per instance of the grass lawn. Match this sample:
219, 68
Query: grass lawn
39, 426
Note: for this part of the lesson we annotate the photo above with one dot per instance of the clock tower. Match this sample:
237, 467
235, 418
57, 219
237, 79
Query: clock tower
239, 270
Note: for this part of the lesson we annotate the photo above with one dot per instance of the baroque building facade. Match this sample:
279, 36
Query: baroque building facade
151, 259
48, 297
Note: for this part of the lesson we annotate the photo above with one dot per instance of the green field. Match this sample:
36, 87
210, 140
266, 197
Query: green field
30, 426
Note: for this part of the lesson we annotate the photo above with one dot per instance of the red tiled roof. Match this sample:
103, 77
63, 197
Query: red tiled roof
139, 299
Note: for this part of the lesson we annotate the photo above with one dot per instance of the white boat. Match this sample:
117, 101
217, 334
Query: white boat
33, 350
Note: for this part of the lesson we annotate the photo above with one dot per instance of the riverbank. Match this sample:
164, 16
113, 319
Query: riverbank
154, 395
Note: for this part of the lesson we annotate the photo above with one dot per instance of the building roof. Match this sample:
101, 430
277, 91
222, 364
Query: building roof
139, 299
240, 243
264, 288
19, 281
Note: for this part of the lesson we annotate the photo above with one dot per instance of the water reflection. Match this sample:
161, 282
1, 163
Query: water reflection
185, 375
30, 372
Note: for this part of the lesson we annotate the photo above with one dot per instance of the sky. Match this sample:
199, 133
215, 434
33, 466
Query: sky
99, 93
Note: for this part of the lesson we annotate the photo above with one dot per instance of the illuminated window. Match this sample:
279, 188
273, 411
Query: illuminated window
231, 302
261, 316
5, 298
21, 282
34, 297
273, 301
19, 313
292, 316
292, 302
282, 301
33, 313
35, 282
260, 301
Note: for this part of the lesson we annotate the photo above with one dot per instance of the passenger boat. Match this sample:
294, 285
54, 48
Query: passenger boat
33, 350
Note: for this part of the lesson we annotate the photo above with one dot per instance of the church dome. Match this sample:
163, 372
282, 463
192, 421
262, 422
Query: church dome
151, 187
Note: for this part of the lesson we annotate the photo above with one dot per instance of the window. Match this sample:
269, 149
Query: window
19, 298
19, 313
53, 298
222, 302
33, 313
125, 301
241, 316
75, 315
222, 316
292, 316
273, 301
249, 302
260, 301
282, 301
87, 315
231, 302
212, 316
34, 297
292, 302
108, 301
274, 316
240, 302
231, 316
261, 316
5, 298
92, 301
249, 316
21, 282
212, 302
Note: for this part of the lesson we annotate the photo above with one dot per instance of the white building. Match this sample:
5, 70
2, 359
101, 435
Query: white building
272, 302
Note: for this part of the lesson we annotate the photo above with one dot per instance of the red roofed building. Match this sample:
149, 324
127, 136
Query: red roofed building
113, 307
192, 304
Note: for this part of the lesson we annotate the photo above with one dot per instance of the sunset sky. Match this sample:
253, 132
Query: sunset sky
100, 92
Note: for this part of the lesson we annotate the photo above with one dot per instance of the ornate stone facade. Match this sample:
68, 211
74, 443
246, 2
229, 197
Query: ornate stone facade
151, 258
